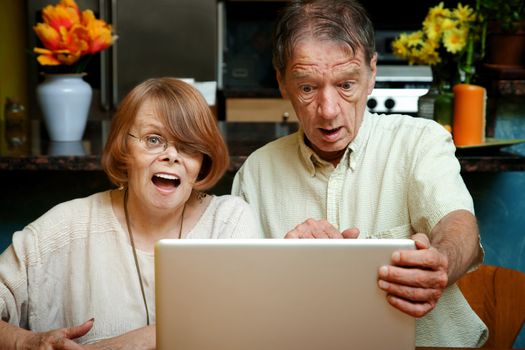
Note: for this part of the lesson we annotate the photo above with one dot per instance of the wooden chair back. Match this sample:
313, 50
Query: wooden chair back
497, 295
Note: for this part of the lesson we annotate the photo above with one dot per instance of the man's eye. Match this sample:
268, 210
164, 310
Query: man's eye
306, 88
346, 85
154, 140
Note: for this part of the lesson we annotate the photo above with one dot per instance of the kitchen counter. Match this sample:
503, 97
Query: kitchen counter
242, 139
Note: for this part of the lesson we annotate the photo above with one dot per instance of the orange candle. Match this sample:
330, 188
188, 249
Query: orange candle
468, 127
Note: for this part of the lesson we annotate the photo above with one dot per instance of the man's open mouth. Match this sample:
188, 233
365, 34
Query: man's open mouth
329, 132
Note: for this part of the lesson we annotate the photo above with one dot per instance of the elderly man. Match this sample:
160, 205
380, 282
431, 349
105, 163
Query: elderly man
348, 173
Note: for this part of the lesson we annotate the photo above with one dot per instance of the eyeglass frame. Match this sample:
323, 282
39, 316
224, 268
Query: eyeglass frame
165, 144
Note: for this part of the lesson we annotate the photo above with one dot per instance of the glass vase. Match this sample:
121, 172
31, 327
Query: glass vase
444, 109
444, 75
425, 103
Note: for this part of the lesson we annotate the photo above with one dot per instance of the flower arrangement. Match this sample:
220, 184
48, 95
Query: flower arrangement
446, 40
70, 37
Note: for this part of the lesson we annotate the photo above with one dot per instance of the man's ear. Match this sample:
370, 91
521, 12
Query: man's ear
373, 72
280, 81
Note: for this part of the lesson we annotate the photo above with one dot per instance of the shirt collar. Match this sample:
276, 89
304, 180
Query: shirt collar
309, 158
359, 141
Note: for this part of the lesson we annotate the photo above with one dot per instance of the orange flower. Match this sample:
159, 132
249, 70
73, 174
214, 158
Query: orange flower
65, 14
68, 34
98, 32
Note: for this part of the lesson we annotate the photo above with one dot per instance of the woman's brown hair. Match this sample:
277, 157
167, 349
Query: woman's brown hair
188, 121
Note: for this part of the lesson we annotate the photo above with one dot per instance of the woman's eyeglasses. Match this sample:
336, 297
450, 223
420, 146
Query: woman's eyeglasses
155, 144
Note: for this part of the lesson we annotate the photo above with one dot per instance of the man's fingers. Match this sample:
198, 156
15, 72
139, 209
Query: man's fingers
67, 344
410, 308
314, 229
429, 259
80, 330
413, 277
421, 240
351, 233
412, 294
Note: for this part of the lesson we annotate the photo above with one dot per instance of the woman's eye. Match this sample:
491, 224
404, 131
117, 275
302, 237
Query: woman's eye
154, 140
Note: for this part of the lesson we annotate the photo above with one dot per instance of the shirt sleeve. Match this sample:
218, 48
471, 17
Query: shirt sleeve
14, 294
237, 186
227, 217
245, 187
436, 187
246, 225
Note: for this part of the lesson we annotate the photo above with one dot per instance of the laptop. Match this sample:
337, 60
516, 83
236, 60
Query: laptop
277, 294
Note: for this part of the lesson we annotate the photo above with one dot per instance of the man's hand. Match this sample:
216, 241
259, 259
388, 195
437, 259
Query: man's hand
416, 279
320, 229
57, 339
141, 338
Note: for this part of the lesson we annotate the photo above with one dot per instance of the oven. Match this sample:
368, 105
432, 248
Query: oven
398, 88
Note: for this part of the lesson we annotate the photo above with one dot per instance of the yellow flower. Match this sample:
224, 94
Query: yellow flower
68, 34
464, 14
433, 23
428, 55
455, 39
443, 36
438, 11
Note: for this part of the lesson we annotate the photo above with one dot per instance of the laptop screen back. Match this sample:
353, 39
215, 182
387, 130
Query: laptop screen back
278, 294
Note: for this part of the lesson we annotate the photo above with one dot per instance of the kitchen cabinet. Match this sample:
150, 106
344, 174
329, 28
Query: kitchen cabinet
259, 110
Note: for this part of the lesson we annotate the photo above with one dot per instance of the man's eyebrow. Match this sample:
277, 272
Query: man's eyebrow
348, 69
299, 73
344, 68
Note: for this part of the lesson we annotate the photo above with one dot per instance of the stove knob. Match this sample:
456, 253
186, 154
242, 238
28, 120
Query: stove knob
371, 103
390, 103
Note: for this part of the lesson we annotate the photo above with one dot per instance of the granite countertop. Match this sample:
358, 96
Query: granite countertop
242, 139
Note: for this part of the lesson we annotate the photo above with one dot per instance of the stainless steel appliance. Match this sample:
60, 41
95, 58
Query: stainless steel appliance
156, 38
398, 88
398, 84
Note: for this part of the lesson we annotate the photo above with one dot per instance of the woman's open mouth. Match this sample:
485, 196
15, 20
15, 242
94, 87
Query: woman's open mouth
165, 181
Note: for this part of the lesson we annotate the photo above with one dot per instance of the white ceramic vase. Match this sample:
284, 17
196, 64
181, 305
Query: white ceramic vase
63, 148
65, 100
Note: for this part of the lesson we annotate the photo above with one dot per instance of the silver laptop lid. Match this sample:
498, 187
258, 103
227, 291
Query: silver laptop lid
277, 294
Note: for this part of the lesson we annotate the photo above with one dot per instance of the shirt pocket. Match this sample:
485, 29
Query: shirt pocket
398, 232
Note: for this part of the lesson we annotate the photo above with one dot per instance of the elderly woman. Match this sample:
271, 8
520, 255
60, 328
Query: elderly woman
83, 273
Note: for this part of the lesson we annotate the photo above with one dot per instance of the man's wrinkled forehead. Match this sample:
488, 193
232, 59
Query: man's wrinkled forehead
301, 64
349, 68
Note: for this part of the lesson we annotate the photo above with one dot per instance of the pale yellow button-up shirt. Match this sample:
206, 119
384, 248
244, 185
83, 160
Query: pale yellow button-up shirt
397, 177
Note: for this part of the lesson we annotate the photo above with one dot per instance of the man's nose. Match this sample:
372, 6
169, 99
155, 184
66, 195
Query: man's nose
328, 103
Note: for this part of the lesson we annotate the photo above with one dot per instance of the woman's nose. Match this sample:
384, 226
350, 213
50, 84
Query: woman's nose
171, 154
